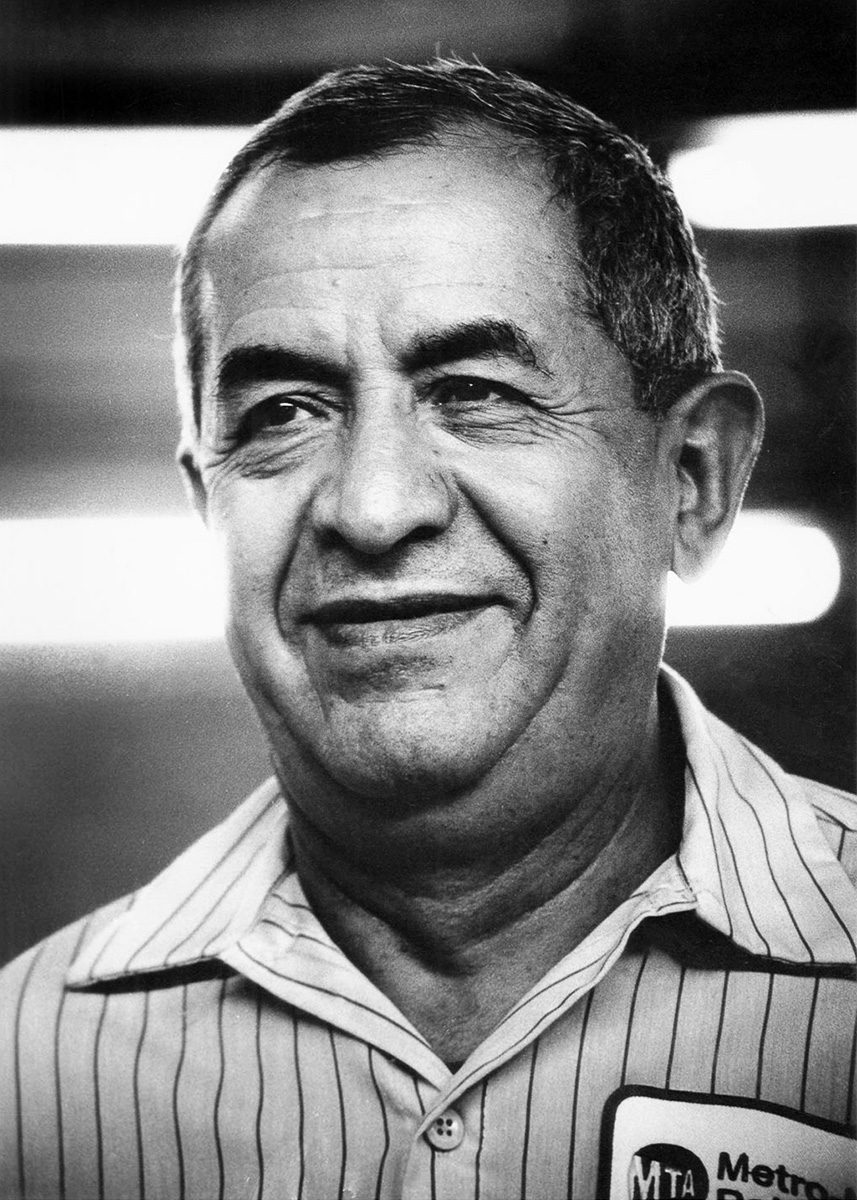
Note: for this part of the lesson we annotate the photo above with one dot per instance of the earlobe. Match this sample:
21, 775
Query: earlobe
716, 431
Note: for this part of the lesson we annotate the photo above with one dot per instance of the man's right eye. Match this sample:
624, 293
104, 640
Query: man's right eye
273, 413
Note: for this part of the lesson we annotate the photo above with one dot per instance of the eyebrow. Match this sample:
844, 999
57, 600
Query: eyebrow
245, 365
484, 338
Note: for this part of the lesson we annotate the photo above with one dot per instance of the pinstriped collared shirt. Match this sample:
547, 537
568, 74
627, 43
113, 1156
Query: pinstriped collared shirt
206, 1038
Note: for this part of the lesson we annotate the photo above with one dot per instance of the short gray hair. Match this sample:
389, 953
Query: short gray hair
645, 282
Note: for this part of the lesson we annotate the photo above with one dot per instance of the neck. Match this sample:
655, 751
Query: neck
455, 911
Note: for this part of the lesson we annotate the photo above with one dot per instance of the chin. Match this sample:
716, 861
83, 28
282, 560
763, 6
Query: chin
409, 747
402, 754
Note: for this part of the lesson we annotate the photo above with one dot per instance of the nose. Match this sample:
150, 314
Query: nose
387, 485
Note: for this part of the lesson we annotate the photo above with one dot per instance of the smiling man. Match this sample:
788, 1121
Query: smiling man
517, 917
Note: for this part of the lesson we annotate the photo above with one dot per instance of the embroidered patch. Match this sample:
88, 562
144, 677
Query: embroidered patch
660, 1145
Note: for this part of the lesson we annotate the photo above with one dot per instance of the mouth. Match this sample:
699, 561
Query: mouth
402, 608
360, 620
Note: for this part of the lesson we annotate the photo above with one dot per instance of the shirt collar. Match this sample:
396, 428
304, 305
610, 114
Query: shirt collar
202, 903
752, 854
752, 847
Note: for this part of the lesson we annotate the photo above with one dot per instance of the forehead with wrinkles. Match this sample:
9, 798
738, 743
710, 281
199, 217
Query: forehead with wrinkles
460, 218
412, 184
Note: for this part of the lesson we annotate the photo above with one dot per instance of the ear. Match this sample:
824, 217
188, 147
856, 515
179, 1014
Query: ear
192, 476
715, 431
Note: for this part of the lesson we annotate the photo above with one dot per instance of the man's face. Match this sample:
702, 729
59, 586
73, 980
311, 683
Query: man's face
444, 521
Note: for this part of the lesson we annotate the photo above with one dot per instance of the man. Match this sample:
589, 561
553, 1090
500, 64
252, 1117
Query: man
517, 917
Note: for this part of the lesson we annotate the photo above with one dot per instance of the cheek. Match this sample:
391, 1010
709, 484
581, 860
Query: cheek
542, 507
587, 534
254, 525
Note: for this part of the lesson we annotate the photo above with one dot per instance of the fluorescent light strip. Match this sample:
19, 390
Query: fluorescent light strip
773, 570
108, 187
157, 579
108, 579
147, 185
778, 171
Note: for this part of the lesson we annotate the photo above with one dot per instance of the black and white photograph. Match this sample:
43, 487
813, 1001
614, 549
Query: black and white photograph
427, 600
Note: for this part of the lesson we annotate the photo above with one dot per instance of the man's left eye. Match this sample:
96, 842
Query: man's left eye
469, 389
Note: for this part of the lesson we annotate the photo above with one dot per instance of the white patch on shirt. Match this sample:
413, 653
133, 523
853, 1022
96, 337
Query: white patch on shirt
685, 1146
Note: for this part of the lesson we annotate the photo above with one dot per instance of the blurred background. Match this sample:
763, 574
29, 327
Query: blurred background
116, 750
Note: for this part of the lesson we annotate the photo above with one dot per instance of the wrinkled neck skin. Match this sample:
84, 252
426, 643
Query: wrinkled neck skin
455, 910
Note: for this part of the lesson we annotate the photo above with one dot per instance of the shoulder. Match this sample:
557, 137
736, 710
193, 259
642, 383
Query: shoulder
46, 1031
32, 985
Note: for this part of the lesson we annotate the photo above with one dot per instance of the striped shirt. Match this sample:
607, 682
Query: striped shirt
205, 1037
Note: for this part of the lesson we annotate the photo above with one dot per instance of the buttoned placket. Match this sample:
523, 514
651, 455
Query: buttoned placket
287, 952
442, 1162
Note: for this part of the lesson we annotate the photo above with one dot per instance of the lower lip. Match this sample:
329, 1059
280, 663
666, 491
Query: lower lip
397, 632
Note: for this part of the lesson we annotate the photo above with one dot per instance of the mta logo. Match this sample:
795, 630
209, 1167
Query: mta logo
665, 1172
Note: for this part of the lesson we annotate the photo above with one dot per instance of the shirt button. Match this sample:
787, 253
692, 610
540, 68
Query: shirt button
446, 1132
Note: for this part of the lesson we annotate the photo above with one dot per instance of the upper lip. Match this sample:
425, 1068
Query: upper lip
357, 609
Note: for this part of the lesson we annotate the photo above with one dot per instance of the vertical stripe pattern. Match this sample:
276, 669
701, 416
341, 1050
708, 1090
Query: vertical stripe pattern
215, 1043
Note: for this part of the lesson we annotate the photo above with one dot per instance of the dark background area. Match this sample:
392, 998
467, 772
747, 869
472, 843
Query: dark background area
113, 758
